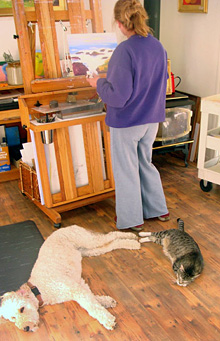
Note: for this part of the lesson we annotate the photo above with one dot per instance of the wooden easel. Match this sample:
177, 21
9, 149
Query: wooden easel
55, 87
45, 16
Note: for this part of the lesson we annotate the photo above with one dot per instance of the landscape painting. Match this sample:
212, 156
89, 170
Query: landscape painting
6, 6
90, 53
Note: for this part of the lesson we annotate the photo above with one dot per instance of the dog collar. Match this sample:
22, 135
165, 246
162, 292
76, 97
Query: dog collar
36, 293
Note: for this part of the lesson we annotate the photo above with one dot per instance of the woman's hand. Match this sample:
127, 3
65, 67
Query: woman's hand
92, 80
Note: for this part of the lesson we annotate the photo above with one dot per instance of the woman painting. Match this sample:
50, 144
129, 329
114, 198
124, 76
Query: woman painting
135, 93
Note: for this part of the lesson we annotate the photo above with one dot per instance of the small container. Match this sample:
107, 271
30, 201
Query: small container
14, 73
176, 127
29, 182
47, 136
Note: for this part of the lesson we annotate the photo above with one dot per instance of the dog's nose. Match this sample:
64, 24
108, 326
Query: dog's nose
26, 329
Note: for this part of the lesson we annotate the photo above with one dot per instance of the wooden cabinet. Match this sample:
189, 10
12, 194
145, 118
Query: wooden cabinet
9, 117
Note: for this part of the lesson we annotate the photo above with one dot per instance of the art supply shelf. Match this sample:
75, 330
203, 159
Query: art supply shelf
209, 143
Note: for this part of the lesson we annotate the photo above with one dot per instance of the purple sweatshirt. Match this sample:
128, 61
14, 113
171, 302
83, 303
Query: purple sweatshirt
135, 87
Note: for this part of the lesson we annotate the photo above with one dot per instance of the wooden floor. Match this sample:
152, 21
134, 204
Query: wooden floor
150, 306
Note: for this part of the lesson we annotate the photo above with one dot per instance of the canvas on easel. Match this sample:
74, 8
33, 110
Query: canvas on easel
90, 53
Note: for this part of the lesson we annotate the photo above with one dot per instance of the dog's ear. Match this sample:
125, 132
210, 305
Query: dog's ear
21, 292
24, 290
1, 317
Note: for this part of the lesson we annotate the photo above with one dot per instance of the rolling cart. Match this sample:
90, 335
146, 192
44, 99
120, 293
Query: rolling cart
209, 144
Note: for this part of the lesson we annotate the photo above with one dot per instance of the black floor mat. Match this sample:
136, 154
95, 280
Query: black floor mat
19, 247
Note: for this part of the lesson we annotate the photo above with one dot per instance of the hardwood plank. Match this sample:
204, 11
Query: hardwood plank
150, 306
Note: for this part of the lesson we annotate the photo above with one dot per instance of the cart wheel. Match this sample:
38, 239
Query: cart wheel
206, 186
57, 226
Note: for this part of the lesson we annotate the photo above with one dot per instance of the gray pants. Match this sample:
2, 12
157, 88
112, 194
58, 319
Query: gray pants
138, 188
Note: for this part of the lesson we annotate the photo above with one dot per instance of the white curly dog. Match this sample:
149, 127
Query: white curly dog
56, 277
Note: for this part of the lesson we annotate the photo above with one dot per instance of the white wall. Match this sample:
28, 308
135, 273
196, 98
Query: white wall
107, 10
7, 29
192, 41
108, 18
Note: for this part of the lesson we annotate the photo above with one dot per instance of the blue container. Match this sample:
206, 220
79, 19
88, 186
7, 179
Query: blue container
12, 136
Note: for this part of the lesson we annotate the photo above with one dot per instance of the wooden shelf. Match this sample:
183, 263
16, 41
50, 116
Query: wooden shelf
5, 86
13, 174
10, 116
9, 121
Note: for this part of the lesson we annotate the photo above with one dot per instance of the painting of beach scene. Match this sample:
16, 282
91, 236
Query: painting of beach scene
90, 53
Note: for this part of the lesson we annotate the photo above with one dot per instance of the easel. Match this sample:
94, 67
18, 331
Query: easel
55, 87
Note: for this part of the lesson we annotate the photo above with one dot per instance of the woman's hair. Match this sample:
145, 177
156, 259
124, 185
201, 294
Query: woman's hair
133, 16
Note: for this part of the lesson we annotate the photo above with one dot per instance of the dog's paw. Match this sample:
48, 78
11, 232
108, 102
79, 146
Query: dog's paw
130, 235
106, 301
112, 302
144, 234
133, 244
110, 323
